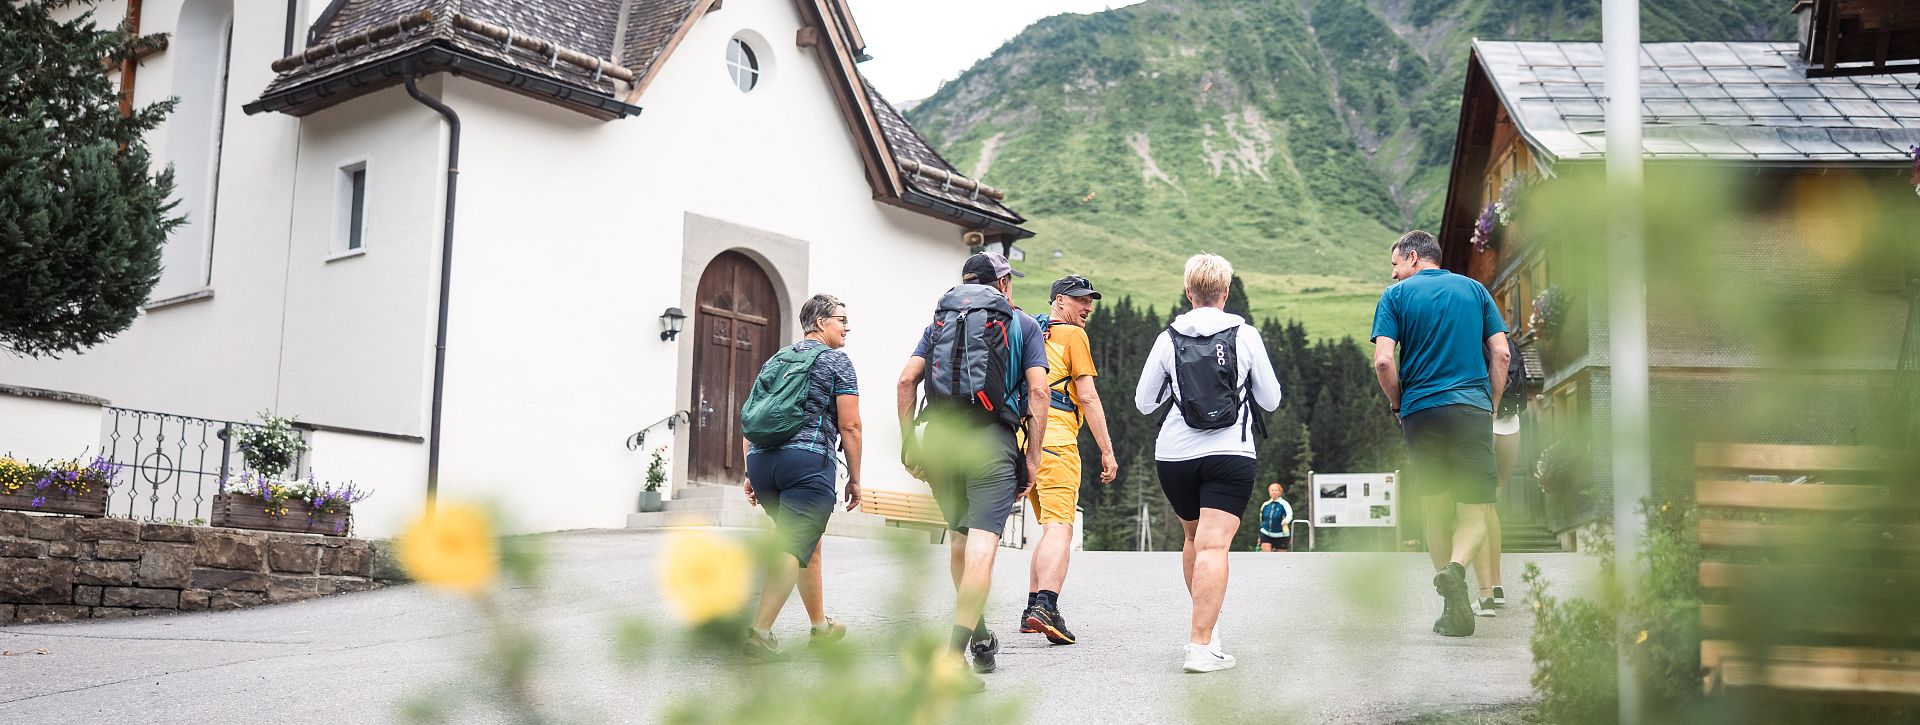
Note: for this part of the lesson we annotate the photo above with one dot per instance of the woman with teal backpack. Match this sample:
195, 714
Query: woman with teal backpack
805, 404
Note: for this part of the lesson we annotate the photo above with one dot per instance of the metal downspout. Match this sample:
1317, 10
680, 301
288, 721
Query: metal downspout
446, 283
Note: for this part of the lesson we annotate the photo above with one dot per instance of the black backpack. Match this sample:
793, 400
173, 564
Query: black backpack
1514, 398
972, 355
1206, 382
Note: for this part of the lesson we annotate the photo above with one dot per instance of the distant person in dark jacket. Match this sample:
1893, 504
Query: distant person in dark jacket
1276, 520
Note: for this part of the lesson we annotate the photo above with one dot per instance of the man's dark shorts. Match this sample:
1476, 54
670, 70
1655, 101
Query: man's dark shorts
1280, 543
795, 486
1450, 452
974, 470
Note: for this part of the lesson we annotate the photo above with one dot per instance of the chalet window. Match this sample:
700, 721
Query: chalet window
350, 210
743, 65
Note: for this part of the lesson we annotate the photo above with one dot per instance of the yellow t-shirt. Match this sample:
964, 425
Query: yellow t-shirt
1069, 356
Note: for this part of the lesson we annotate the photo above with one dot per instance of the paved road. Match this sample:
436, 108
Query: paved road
1320, 637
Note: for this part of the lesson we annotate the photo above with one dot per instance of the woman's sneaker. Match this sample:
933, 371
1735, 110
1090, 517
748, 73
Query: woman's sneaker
1204, 658
1483, 607
831, 631
1499, 597
762, 648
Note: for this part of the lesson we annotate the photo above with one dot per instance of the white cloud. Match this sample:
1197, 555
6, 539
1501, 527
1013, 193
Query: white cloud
918, 44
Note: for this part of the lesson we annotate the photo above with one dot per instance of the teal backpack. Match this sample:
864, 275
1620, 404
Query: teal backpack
777, 407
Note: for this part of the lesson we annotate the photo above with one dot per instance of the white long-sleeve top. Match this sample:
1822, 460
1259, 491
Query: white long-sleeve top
1177, 442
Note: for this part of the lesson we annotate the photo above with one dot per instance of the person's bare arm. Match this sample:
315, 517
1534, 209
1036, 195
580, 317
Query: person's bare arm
1387, 370
1096, 415
747, 481
906, 396
849, 409
1499, 358
1038, 401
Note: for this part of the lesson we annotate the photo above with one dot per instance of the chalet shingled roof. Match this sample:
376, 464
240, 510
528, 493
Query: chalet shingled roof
1724, 101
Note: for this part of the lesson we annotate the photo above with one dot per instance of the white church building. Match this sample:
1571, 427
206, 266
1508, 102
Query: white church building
452, 237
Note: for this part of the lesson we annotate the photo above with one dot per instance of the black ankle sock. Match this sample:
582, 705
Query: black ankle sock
960, 637
1032, 598
1050, 599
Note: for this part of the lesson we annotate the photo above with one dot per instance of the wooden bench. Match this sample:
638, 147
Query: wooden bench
916, 510
1806, 551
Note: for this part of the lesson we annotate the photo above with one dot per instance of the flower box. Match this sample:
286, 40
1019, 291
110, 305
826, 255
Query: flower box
91, 504
247, 511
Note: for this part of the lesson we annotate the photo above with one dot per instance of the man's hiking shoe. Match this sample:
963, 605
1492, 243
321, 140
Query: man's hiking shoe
1456, 619
762, 648
1204, 658
983, 652
1483, 607
1499, 597
1049, 623
967, 683
1025, 618
831, 632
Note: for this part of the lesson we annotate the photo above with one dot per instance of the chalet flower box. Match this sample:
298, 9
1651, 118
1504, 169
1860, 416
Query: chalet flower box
265, 504
247, 511
62, 487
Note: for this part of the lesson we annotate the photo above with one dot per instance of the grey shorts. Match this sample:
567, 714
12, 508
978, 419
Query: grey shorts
976, 475
1450, 453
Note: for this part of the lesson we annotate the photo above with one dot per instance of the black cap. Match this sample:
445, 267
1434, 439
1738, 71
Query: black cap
986, 268
1074, 285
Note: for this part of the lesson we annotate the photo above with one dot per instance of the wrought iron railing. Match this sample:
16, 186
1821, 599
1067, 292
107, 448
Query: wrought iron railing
171, 465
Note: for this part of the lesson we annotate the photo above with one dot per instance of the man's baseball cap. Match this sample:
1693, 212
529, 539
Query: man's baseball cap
986, 268
1074, 285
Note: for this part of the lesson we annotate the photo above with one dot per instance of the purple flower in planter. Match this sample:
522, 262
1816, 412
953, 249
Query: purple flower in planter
39, 501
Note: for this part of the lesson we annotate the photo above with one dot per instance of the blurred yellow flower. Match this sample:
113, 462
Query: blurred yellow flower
706, 576
1642, 639
453, 549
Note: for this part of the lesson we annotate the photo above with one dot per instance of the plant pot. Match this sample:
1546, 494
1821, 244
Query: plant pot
92, 504
650, 501
247, 511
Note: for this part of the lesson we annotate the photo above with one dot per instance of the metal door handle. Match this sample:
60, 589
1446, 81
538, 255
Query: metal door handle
704, 410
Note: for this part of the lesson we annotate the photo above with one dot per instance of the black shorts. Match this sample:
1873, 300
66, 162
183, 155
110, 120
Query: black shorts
1278, 542
795, 486
974, 471
1450, 453
1217, 482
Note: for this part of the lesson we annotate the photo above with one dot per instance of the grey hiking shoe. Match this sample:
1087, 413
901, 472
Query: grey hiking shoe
1456, 619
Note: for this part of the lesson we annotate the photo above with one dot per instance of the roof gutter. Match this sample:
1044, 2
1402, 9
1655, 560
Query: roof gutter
969, 217
305, 98
446, 282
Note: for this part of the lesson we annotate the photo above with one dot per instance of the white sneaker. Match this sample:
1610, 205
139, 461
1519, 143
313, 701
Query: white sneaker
1203, 658
1213, 640
1482, 607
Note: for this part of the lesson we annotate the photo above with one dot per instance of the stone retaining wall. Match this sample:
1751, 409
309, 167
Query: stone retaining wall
56, 568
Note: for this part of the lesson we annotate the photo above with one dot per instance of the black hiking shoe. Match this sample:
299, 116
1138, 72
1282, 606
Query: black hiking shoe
1456, 619
1049, 623
1026, 618
983, 652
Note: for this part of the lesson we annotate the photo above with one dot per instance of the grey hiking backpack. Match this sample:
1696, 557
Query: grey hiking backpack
972, 355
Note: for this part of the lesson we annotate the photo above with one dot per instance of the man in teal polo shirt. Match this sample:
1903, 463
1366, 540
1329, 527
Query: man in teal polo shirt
1449, 377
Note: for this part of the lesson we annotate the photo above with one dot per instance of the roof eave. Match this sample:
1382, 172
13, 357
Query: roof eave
969, 217
305, 98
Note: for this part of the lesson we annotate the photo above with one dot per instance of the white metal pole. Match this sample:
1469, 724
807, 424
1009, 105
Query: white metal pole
1627, 305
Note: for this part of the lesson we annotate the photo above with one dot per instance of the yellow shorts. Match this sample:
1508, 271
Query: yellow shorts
1057, 489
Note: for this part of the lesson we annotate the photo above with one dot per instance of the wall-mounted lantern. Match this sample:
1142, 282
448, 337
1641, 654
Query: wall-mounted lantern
670, 323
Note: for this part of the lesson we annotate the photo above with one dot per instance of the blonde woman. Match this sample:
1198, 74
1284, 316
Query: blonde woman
1212, 365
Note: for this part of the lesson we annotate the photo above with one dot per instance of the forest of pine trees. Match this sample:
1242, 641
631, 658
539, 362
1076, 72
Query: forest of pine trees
1332, 418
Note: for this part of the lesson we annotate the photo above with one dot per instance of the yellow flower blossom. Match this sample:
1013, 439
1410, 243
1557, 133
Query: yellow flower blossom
705, 576
1642, 639
453, 549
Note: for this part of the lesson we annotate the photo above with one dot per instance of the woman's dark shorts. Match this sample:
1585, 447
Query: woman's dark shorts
1279, 543
795, 486
1450, 453
1217, 482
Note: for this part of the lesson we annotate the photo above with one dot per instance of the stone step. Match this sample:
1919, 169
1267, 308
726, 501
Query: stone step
698, 492
735, 502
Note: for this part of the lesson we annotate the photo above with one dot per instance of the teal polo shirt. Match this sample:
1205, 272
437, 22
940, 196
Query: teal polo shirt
1442, 321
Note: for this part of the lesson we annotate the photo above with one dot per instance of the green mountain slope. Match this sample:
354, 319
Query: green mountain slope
1298, 138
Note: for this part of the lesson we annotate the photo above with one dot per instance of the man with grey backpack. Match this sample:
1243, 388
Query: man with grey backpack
1214, 368
804, 405
983, 364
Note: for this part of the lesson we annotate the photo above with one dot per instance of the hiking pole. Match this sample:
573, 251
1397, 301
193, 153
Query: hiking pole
1627, 322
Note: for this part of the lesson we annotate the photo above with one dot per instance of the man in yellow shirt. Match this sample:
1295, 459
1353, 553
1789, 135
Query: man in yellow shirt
1056, 490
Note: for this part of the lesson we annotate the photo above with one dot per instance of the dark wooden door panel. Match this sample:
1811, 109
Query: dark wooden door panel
736, 321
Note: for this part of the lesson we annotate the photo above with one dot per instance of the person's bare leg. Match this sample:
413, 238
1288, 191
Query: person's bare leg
813, 593
1486, 566
1209, 579
774, 592
1266, 547
1050, 557
1439, 511
1187, 552
956, 556
976, 578
1469, 531
1506, 453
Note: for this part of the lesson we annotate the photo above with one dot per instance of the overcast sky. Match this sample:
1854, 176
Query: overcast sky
917, 44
